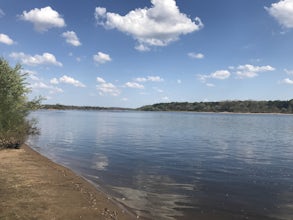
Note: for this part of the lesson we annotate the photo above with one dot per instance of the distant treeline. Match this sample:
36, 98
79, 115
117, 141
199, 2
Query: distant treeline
225, 106
72, 107
222, 106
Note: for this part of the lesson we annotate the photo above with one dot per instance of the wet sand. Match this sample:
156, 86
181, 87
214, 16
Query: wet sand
33, 187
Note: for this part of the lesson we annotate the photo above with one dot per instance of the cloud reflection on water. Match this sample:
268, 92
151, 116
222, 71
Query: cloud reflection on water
158, 195
100, 162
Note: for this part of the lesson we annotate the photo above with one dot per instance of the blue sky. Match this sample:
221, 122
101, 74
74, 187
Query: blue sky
136, 52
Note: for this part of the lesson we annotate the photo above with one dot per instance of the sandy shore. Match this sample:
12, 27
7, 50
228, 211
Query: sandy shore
33, 187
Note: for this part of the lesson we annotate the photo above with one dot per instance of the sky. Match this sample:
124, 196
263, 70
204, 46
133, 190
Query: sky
131, 53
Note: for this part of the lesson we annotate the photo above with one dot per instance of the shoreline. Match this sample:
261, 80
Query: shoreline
173, 111
34, 187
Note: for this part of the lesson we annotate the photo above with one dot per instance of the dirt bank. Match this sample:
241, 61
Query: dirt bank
33, 187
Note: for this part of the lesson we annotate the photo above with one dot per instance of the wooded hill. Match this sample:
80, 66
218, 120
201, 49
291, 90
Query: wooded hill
73, 107
225, 106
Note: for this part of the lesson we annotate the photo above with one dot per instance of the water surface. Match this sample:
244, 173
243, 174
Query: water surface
179, 165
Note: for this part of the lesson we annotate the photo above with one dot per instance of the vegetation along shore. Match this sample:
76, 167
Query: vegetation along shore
249, 106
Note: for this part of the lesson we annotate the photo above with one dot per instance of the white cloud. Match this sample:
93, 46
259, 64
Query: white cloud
106, 88
41, 85
149, 79
195, 55
242, 71
124, 99
1, 13
44, 59
158, 25
100, 13
71, 81
220, 74
100, 80
44, 18
71, 38
5, 39
101, 162
179, 81
154, 79
134, 85
54, 81
289, 72
67, 80
102, 58
282, 11
287, 81
31, 74
142, 48
250, 71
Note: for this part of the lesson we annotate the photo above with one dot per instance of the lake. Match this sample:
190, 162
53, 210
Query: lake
176, 165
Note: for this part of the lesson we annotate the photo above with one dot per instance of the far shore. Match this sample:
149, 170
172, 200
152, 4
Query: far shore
191, 112
34, 187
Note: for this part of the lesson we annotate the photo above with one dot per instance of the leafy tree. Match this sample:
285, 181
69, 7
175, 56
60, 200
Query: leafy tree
15, 106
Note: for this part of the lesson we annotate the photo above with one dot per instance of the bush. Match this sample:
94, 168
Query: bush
15, 107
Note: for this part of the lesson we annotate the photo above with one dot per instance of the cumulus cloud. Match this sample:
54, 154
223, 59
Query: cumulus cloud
250, 71
219, 74
134, 85
5, 39
142, 48
71, 38
44, 59
106, 88
195, 55
69, 80
158, 25
282, 11
149, 79
102, 57
287, 81
43, 18
242, 72
41, 85
100, 80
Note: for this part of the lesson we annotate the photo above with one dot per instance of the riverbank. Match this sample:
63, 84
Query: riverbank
33, 187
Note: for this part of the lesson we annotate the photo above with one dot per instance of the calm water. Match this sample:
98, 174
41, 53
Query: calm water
179, 165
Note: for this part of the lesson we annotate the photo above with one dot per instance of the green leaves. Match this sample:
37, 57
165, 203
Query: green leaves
14, 106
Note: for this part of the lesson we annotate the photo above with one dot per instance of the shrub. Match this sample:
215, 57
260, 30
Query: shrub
15, 106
